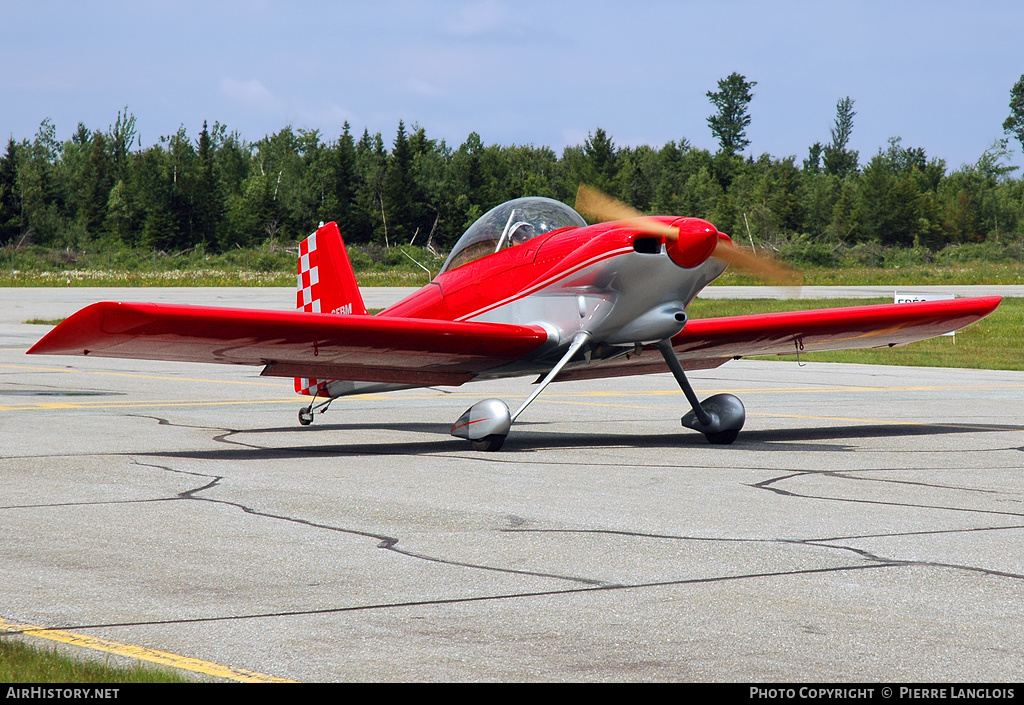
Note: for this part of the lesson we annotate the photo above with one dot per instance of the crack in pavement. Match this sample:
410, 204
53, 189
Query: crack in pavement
820, 543
220, 439
767, 485
846, 475
930, 532
473, 599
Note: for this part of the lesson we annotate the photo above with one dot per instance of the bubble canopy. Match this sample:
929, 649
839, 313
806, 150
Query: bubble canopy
510, 224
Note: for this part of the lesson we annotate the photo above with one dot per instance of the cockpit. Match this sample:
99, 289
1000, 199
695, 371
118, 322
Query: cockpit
510, 224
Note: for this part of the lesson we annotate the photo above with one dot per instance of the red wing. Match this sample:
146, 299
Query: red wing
294, 343
874, 326
710, 342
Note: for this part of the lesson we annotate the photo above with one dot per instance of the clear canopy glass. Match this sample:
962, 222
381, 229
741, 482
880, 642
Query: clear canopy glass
510, 224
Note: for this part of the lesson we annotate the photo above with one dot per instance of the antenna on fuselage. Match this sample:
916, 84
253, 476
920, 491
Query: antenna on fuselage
417, 263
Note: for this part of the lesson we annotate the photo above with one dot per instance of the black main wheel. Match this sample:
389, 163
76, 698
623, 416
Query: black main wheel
489, 443
722, 438
305, 417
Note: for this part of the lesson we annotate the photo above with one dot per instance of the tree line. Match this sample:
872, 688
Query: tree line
102, 189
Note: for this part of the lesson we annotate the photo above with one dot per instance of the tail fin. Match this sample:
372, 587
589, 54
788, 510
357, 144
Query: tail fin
326, 284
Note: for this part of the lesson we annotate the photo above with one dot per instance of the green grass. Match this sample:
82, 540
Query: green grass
992, 343
263, 266
975, 273
198, 277
963, 273
24, 663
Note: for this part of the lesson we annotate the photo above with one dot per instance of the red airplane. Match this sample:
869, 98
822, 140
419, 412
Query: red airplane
529, 289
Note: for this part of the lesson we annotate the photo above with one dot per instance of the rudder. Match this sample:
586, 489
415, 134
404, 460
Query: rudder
326, 284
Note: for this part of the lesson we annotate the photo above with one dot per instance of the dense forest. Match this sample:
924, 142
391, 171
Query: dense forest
215, 190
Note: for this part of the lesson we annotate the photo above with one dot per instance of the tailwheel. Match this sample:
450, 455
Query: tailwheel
489, 443
306, 412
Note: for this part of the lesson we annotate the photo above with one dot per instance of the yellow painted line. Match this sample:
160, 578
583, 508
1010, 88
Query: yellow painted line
80, 405
611, 405
887, 422
137, 404
163, 658
467, 394
30, 368
552, 394
378, 397
570, 399
769, 415
789, 390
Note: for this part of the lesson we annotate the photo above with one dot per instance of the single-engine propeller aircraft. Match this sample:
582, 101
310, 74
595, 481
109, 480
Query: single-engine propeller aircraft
529, 289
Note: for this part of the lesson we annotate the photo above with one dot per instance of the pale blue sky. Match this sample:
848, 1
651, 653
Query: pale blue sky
937, 73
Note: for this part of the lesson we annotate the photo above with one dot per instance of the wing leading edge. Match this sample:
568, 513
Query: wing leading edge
710, 342
294, 343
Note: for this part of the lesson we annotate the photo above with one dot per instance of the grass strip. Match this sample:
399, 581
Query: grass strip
992, 343
25, 663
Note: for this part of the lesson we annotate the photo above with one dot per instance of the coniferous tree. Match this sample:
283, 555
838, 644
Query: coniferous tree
96, 184
175, 194
207, 202
10, 206
600, 161
1014, 124
637, 176
38, 184
812, 165
158, 229
729, 123
401, 198
838, 159
343, 177
122, 135
371, 167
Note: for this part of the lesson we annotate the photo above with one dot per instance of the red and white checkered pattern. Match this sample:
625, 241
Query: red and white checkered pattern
307, 298
326, 284
311, 387
307, 295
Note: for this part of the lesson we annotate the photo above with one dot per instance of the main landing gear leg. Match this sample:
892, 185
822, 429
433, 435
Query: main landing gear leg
487, 422
719, 417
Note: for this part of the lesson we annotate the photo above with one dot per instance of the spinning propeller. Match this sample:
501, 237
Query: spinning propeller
603, 207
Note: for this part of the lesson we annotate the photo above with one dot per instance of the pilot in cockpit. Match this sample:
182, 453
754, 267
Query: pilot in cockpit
521, 234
